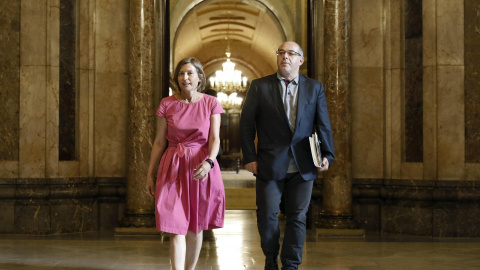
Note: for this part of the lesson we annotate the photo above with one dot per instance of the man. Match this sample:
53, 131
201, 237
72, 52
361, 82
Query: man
283, 110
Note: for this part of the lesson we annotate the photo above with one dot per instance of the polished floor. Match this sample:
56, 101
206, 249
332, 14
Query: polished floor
234, 247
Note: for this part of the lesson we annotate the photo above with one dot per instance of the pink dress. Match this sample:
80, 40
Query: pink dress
181, 203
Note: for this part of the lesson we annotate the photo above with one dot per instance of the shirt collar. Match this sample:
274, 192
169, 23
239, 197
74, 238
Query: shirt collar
282, 78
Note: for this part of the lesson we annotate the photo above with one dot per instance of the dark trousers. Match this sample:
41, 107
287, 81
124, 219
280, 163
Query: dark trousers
297, 193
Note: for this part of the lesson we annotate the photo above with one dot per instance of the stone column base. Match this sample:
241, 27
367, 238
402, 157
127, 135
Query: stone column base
132, 231
139, 220
208, 235
341, 232
328, 221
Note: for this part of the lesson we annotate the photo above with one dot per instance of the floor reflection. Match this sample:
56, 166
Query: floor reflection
234, 246
237, 246
230, 250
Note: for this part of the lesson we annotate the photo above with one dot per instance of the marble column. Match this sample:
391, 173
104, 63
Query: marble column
141, 121
337, 182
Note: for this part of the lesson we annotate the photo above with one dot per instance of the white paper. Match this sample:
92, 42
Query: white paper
316, 150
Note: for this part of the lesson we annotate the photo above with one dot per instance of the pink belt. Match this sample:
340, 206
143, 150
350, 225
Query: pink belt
180, 150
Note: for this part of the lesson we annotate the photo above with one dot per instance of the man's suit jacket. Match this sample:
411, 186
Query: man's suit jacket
263, 114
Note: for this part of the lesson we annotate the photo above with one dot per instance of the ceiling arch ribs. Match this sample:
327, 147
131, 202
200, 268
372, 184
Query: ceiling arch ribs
252, 29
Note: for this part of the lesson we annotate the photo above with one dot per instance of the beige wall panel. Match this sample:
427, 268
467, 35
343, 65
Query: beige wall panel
8, 169
51, 125
68, 169
451, 127
111, 87
32, 121
450, 90
412, 171
85, 86
396, 34
110, 124
86, 36
52, 91
33, 59
388, 124
367, 110
387, 35
450, 40
472, 172
393, 87
85, 75
53, 33
429, 90
367, 39
429, 33
83, 118
387, 60
111, 42
33, 22
367, 88
396, 122
91, 123
430, 122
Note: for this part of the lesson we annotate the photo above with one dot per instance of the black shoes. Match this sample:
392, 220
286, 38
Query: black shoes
271, 264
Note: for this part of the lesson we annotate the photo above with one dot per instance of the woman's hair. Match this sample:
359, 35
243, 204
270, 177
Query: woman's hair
201, 74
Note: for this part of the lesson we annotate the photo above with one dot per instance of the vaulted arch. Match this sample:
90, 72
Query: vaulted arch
251, 29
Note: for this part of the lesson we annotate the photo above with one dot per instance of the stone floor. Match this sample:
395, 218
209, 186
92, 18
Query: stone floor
239, 190
234, 247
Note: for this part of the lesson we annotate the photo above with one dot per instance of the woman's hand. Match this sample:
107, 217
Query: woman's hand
201, 172
158, 147
150, 187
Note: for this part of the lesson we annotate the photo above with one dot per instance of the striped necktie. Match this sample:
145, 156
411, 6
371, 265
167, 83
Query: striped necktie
288, 103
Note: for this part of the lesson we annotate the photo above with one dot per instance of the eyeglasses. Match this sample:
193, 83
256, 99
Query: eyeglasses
290, 52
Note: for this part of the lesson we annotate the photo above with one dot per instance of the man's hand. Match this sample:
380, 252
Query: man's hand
252, 167
325, 165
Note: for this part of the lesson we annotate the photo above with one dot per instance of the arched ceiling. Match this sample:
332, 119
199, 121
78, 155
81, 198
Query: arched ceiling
249, 29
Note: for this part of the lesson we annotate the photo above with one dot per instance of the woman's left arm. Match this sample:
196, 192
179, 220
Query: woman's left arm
201, 172
214, 138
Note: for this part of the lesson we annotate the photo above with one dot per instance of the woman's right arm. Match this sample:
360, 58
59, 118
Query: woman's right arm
158, 147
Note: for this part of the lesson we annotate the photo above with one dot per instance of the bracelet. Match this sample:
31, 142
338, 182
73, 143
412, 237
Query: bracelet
210, 162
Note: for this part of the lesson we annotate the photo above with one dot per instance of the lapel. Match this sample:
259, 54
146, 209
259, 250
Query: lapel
303, 99
277, 98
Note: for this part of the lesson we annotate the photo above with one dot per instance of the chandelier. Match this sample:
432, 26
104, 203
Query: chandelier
229, 101
228, 80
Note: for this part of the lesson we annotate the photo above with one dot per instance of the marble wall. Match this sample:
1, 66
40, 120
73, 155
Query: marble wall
10, 79
392, 195
367, 83
85, 92
35, 70
378, 96
472, 82
40, 192
416, 207
66, 85
67, 81
413, 85
110, 87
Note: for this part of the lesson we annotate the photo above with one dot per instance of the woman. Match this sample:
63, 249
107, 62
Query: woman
189, 193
